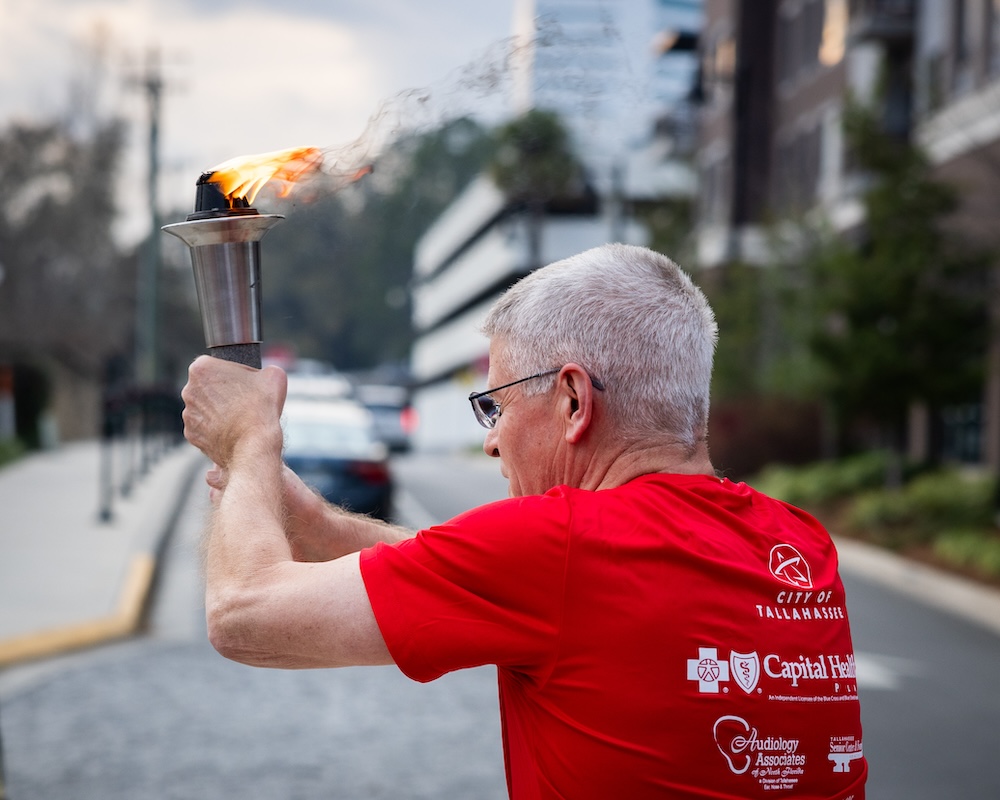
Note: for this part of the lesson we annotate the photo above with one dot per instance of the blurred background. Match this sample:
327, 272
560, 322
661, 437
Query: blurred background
827, 170
824, 168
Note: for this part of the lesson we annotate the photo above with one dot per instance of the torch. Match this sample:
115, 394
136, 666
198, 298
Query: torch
224, 235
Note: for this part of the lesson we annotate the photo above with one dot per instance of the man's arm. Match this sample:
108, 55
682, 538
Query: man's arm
264, 608
320, 531
316, 529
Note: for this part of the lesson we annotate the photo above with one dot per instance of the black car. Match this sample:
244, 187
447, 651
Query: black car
333, 447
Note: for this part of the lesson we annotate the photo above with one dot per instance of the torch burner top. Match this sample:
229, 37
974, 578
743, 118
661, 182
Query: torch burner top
211, 202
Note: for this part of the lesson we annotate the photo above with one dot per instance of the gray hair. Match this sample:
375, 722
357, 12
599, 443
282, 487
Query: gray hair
629, 316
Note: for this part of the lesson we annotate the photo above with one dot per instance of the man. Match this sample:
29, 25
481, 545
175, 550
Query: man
658, 631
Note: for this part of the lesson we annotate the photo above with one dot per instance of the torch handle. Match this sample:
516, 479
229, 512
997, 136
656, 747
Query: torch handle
247, 354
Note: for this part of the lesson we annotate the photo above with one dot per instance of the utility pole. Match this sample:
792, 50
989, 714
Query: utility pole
3, 780
147, 301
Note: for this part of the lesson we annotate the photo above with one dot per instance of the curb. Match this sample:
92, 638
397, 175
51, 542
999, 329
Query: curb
140, 578
975, 602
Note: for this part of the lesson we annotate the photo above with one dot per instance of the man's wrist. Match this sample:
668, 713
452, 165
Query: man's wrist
256, 447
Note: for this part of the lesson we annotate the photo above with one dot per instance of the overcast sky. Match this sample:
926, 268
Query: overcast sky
248, 76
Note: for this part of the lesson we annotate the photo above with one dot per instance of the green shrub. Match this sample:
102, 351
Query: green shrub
882, 515
10, 450
825, 481
921, 509
952, 498
974, 549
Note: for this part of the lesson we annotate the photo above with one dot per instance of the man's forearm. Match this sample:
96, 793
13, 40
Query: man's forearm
264, 608
245, 541
320, 531
358, 531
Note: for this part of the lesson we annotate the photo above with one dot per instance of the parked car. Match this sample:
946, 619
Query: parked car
395, 417
311, 386
333, 447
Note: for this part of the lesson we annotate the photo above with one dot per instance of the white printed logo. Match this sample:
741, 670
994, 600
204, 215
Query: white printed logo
844, 750
745, 669
776, 761
731, 738
821, 668
788, 565
707, 670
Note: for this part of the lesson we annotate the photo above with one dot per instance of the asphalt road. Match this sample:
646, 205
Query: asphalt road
163, 716
930, 698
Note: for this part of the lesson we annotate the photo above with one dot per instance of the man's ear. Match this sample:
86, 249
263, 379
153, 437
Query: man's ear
576, 401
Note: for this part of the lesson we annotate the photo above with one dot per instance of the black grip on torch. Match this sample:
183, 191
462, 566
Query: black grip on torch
247, 354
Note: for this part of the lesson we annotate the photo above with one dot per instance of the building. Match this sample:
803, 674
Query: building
775, 76
956, 117
774, 80
599, 65
475, 250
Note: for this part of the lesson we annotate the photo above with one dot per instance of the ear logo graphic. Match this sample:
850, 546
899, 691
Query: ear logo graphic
732, 740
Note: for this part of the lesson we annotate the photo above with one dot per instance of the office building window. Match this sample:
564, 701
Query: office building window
834, 35
811, 33
797, 173
961, 47
993, 34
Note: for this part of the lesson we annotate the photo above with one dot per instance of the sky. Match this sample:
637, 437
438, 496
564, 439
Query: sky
247, 76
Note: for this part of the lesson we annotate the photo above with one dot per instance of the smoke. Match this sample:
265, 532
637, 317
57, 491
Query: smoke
595, 75
546, 66
481, 89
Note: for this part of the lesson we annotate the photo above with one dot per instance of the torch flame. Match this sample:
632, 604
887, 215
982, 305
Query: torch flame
243, 177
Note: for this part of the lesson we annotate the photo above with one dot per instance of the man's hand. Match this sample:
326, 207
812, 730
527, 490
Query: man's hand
227, 405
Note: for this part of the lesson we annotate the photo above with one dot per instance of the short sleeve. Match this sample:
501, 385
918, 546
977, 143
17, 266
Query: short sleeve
487, 587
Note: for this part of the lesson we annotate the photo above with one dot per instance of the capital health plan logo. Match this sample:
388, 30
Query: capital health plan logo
714, 674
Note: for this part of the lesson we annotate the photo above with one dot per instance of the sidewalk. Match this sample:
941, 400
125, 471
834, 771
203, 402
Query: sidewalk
68, 579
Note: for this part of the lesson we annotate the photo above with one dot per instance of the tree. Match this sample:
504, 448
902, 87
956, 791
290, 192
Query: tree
63, 286
534, 164
901, 316
338, 271
67, 292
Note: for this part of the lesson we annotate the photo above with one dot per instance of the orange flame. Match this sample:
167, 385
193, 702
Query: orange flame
243, 177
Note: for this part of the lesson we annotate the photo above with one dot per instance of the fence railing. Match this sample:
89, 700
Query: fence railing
138, 426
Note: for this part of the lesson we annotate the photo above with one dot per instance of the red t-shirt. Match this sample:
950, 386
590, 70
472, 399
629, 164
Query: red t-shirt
678, 636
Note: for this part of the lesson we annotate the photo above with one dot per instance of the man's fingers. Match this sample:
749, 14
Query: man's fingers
217, 477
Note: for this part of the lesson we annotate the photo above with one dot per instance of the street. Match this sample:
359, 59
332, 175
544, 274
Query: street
163, 716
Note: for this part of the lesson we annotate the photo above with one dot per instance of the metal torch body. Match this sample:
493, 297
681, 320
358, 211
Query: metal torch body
225, 255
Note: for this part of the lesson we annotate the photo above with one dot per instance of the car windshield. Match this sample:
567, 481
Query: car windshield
324, 437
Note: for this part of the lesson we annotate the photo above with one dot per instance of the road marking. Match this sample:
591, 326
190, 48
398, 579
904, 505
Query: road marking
411, 512
881, 672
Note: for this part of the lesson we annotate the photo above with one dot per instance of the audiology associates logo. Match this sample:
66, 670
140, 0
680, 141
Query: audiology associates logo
788, 565
774, 761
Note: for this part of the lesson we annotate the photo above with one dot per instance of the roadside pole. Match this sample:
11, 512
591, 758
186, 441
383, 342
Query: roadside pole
3, 781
